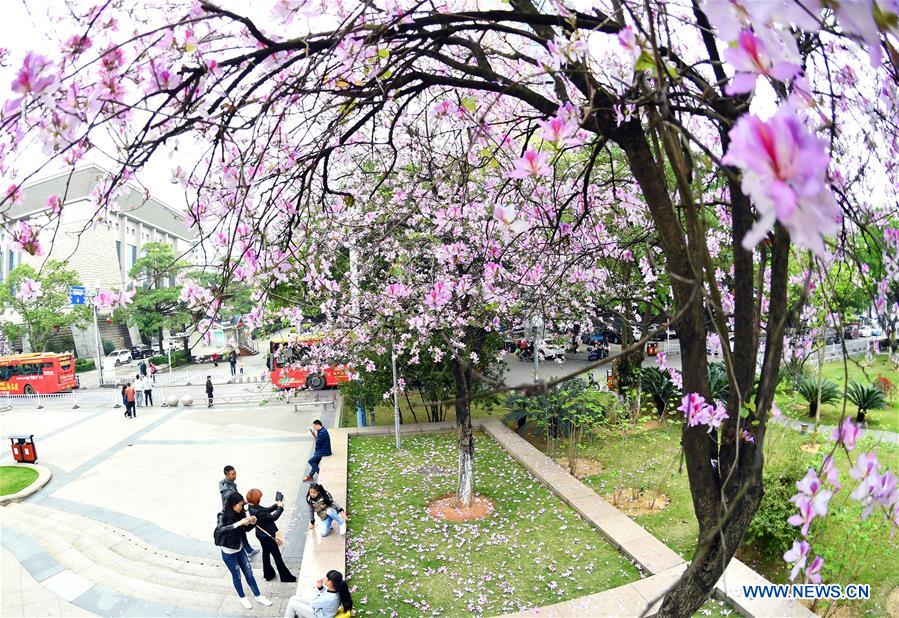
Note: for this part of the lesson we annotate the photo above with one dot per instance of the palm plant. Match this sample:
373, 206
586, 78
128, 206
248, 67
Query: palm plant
808, 390
719, 386
658, 385
865, 397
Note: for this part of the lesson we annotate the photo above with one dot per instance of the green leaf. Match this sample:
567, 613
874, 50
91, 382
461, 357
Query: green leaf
384, 53
470, 104
645, 62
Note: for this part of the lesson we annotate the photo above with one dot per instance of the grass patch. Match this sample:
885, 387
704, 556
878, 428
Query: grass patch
532, 551
855, 551
14, 479
858, 370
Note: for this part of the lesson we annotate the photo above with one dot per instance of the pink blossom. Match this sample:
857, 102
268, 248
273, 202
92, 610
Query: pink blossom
747, 437
162, 79
628, 41
504, 214
829, 469
26, 238
785, 173
397, 290
29, 79
698, 412
533, 163
558, 129
806, 514
813, 572
811, 488
865, 465
440, 294
54, 203
750, 58
797, 556
14, 194
847, 434
29, 289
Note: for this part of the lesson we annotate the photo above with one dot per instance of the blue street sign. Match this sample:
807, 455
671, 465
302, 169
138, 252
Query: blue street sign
77, 295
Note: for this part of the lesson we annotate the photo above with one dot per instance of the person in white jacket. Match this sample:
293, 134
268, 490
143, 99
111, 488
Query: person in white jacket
333, 594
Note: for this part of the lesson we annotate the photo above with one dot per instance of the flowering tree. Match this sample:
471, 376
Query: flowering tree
428, 169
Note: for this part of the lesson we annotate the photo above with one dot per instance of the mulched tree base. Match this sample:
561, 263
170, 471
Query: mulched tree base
448, 508
583, 467
636, 503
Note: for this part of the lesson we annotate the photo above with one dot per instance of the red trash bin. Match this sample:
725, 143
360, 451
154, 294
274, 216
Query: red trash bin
23, 449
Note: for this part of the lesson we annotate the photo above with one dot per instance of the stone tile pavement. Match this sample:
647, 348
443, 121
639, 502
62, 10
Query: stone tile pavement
125, 528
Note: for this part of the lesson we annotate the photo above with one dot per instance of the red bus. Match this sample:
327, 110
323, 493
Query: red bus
285, 351
41, 372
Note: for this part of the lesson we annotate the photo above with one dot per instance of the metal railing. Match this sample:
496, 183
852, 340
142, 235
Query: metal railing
179, 378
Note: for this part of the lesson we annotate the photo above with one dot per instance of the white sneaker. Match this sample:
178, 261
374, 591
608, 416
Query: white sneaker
342, 529
263, 600
246, 603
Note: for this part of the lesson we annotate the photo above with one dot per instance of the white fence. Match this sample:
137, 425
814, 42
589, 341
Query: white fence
179, 378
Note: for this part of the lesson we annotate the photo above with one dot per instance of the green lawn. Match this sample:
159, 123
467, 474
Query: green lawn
15, 478
854, 551
858, 370
383, 413
533, 550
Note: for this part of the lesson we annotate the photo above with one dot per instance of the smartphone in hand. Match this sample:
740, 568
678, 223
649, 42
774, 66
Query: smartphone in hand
279, 496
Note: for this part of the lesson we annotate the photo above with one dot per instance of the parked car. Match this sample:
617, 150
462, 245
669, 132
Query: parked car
141, 351
865, 330
551, 351
851, 331
831, 336
120, 357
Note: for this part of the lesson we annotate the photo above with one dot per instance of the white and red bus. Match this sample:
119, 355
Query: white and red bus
285, 353
41, 372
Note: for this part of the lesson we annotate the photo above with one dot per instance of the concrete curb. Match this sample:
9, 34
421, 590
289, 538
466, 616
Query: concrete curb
621, 531
43, 477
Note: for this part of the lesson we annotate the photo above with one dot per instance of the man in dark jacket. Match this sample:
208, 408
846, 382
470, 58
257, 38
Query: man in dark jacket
209, 390
322, 448
228, 486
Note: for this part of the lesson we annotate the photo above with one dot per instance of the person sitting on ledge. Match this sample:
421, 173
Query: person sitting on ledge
333, 599
320, 502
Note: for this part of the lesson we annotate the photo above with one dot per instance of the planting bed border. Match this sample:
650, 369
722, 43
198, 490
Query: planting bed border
654, 557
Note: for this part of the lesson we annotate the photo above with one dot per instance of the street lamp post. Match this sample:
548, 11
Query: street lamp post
396, 403
98, 341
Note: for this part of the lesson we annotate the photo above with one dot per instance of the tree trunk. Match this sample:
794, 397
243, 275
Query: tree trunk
462, 376
813, 409
860, 417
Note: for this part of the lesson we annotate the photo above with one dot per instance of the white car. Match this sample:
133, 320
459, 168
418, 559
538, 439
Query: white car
865, 331
551, 351
119, 357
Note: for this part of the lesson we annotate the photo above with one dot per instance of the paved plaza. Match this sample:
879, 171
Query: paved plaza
125, 525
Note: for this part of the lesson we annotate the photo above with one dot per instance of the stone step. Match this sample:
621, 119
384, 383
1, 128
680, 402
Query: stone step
126, 544
91, 560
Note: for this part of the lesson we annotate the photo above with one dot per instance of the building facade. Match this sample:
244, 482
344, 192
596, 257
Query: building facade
102, 250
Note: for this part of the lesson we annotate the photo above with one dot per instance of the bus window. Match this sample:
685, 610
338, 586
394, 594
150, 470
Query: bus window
5, 373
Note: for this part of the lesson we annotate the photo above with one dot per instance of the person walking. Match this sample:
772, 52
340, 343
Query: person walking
270, 538
142, 368
209, 391
322, 448
125, 399
322, 504
153, 370
332, 597
129, 401
139, 390
228, 486
148, 391
231, 536
232, 361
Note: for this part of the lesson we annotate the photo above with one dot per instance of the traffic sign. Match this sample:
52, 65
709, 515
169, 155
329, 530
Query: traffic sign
77, 295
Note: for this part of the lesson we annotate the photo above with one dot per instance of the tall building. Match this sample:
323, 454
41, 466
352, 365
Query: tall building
101, 251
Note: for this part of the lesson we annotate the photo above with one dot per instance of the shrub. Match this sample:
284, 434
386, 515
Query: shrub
108, 346
179, 358
84, 364
808, 390
769, 531
865, 397
719, 386
885, 386
659, 386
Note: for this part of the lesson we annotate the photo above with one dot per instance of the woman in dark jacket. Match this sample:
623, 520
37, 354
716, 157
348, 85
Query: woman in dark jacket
322, 504
269, 536
231, 535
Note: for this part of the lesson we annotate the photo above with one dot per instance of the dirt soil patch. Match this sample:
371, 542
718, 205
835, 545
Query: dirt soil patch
432, 470
810, 448
448, 508
632, 502
583, 467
